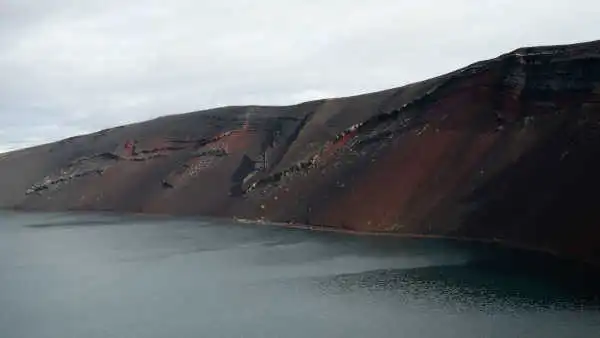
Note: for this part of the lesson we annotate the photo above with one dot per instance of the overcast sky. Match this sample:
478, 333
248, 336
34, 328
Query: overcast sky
76, 66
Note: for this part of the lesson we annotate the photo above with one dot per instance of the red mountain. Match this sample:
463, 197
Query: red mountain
506, 149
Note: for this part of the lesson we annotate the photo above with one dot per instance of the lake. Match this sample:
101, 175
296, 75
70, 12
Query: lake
102, 275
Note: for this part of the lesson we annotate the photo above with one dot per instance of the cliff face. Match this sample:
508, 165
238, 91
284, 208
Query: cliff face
505, 149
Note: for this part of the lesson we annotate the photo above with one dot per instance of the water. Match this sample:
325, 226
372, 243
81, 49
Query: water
86, 275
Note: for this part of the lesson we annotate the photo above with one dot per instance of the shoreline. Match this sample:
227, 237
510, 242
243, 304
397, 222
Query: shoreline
499, 242
330, 229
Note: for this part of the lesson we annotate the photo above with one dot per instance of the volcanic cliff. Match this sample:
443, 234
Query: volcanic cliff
506, 149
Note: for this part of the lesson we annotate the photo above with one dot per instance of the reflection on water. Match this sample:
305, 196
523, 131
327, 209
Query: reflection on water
86, 275
462, 287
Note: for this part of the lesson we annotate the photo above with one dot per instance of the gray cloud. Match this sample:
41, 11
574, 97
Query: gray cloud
71, 67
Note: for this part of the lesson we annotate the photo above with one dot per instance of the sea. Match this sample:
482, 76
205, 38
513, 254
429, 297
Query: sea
98, 275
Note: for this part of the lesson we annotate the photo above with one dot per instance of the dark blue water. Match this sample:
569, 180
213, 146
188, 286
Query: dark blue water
85, 275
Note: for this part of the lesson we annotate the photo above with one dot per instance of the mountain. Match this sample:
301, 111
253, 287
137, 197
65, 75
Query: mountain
506, 149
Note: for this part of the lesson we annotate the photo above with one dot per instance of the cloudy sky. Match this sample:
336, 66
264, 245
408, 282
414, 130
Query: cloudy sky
76, 66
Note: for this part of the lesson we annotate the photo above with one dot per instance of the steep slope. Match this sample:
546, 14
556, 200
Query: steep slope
506, 149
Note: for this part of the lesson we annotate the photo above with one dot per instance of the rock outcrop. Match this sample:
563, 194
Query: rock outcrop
506, 149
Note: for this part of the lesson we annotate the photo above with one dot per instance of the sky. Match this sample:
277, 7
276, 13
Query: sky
71, 67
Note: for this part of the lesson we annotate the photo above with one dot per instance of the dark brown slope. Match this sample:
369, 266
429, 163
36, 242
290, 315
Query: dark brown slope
505, 149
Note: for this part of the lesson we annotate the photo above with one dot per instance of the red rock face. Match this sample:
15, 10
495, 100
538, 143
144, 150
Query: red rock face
504, 150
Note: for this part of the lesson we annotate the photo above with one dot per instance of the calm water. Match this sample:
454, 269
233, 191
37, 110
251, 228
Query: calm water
105, 276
